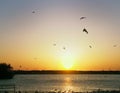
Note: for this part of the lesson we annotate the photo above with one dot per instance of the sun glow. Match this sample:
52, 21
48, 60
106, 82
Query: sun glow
68, 60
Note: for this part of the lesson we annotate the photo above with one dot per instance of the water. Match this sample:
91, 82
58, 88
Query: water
72, 82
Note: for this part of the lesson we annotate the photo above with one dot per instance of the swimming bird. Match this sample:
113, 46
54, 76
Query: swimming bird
84, 30
82, 17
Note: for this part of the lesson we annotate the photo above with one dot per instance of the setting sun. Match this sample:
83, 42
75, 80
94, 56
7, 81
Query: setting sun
67, 63
67, 60
60, 34
59, 46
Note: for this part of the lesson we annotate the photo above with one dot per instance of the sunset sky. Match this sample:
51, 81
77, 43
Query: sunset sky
47, 34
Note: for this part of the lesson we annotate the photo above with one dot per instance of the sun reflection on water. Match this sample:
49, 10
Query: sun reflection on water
68, 84
68, 79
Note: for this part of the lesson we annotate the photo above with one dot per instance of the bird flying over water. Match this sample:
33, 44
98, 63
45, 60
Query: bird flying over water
82, 18
84, 30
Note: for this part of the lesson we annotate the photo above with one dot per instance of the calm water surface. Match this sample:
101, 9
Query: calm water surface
64, 82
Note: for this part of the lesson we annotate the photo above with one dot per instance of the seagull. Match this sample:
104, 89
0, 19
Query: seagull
64, 48
114, 45
54, 44
33, 11
90, 46
82, 18
84, 30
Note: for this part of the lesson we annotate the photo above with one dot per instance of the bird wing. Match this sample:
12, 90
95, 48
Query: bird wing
33, 11
84, 30
82, 18
90, 46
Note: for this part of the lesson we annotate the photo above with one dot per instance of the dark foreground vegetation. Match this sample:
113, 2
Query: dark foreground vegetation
6, 71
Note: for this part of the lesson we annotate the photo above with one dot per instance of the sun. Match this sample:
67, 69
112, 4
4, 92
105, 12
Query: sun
67, 63
67, 60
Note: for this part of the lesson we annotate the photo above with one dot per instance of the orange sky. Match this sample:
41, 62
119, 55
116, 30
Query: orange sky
27, 39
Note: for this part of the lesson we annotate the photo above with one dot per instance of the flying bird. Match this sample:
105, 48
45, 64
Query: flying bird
33, 11
114, 45
90, 46
82, 18
84, 30
54, 44
64, 48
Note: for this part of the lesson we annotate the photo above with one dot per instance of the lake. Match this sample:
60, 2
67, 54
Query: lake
74, 82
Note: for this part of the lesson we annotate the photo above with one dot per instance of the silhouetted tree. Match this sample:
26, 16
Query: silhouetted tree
5, 67
6, 71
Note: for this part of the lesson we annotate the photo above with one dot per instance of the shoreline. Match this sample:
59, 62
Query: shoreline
69, 91
64, 72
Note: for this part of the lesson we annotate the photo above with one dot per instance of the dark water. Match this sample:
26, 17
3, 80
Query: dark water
64, 82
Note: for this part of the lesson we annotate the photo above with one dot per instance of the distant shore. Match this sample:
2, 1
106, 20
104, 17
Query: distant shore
63, 72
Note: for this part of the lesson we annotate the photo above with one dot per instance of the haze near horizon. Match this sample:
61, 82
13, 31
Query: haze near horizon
49, 34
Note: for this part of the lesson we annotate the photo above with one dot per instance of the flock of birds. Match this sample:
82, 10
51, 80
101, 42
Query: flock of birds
84, 30
64, 48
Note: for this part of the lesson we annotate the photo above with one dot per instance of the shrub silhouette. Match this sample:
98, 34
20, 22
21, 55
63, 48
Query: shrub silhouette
5, 68
6, 71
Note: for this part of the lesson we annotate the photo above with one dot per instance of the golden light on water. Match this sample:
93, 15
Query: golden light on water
68, 84
68, 79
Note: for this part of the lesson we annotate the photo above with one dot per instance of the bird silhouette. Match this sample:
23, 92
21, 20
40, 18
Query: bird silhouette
54, 44
114, 45
64, 48
90, 46
33, 11
84, 30
82, 17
